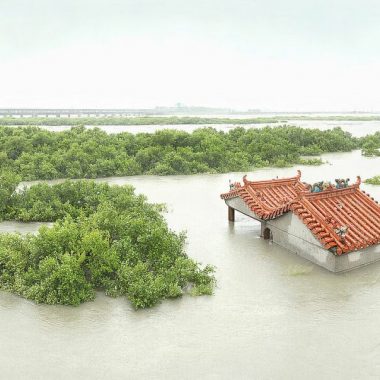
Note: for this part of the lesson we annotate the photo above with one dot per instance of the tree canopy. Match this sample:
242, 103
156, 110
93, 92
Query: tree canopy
34, 153
104, 237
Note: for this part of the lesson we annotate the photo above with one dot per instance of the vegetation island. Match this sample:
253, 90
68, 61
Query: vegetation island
103, 238
37, 154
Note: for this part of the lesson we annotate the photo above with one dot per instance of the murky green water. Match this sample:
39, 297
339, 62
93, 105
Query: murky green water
273, 316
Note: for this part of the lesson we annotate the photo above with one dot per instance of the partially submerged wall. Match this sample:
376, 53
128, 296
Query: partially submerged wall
289, 232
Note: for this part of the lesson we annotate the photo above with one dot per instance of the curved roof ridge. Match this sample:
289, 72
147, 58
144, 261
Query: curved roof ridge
273, 181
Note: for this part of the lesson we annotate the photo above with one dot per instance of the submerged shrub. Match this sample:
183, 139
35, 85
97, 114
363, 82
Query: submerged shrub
104, 237
374, 180
57, 280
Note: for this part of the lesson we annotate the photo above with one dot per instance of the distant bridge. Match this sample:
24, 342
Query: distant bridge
76, 112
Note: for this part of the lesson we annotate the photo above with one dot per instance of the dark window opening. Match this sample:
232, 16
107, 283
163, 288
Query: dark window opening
268, 234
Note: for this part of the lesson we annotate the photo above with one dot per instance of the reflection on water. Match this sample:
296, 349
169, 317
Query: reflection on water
264, 321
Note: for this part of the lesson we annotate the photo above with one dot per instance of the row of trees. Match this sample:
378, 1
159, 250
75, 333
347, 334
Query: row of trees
88, 153
104, 237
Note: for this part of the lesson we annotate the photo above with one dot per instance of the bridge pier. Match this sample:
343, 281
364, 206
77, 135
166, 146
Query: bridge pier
231, 214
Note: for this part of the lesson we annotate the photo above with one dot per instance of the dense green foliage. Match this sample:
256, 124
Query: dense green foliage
374, 180
44, 203
8, 183
370, 145
88, 153
105, 237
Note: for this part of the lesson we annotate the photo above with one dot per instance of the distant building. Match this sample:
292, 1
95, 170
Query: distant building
334, 226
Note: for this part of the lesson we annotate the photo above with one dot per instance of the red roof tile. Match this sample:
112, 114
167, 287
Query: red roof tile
267, 199
324, 213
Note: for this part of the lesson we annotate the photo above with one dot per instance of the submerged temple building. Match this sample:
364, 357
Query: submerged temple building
334, 226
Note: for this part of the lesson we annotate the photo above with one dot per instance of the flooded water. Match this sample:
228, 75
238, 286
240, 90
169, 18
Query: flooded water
356, 128
274, 315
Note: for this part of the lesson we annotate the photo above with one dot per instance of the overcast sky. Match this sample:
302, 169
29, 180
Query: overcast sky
267, 54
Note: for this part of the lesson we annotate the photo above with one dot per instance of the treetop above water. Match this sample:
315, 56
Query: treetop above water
34, 153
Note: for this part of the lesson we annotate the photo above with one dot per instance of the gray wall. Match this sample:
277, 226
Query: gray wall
289, 232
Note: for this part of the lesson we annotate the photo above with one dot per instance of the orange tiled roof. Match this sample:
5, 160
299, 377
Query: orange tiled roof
323, 213
267, 199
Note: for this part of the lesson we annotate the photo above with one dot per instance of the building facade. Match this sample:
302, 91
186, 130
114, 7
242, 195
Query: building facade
334, 226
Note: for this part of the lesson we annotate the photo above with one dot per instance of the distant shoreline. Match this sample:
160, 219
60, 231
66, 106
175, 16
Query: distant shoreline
173, 120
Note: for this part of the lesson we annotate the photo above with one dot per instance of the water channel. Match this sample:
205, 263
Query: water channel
273, 315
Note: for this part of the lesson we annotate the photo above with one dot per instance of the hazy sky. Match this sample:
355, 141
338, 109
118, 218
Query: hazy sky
268, 54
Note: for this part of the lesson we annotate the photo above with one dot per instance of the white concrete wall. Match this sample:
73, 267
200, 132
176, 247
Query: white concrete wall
357, 259
292, 224
239, 205
289, 232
